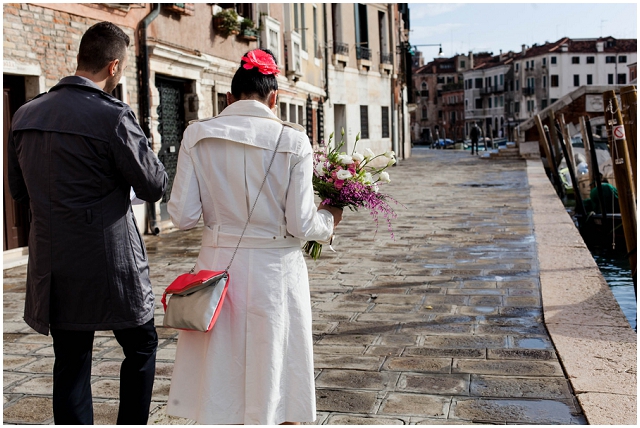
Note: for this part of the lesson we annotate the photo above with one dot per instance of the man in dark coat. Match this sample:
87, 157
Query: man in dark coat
74, 154
474, 134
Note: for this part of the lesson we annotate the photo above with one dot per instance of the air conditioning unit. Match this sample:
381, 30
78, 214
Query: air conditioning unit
293, 43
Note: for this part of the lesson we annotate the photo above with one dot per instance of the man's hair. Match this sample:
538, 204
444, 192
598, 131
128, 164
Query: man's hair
101, 44
251, 81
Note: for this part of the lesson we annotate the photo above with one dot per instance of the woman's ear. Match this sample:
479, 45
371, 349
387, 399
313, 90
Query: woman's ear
230, 98
273, 99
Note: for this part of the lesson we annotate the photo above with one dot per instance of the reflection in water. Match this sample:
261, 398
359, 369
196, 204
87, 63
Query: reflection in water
617, 273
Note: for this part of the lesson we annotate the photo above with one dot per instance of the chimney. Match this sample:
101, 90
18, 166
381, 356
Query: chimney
500, 54
470, 60
600, 46
564, 47
524, 49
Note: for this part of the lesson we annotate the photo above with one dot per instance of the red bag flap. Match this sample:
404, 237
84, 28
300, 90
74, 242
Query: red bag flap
187, 281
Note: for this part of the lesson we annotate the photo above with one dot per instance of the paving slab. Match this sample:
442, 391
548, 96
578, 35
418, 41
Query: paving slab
444, 325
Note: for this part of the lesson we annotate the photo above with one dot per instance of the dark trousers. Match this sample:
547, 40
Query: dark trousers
474, 144
72, 401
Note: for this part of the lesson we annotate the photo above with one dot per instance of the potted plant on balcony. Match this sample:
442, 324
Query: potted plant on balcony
226, 22
248, 30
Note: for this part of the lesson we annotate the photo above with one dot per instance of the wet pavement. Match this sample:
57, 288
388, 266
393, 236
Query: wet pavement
442, 325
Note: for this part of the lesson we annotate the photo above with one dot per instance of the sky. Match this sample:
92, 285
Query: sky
490, 27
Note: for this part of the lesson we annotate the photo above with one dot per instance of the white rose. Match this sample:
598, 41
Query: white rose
375, 188
384, 176
320, 169
368, 153
390, 154
368, 178
357, 157
391, 161
343, 174
345, 159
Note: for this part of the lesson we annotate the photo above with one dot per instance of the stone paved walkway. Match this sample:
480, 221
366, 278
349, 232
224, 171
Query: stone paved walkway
442, 325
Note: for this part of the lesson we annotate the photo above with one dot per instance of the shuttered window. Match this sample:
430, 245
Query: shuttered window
385, 122
364, 122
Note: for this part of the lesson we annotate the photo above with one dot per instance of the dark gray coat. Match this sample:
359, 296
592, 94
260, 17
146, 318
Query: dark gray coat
74, 153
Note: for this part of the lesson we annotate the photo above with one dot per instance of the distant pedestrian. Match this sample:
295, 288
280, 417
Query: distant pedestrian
474, 134
74, 154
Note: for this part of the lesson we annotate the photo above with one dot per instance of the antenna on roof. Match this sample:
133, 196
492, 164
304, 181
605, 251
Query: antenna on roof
601, 24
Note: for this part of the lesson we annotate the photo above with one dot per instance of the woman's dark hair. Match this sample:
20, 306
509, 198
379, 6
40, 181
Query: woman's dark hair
249, 82
101, 44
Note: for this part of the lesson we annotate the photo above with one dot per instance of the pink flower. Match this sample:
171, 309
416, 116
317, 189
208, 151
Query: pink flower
339, 184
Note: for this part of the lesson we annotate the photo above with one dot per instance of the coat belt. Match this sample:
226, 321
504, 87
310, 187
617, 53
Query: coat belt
213, 236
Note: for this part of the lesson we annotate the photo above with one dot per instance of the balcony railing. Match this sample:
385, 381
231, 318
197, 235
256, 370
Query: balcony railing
385, 58
340, 48
363, 53
453, 86
528, 90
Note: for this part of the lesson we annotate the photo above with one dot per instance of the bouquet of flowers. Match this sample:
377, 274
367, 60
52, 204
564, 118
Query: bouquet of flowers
343, 180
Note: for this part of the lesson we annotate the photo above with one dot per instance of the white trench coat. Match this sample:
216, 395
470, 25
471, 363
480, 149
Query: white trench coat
256, 365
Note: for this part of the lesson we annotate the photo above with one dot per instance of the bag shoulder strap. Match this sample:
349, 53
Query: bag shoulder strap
256, 201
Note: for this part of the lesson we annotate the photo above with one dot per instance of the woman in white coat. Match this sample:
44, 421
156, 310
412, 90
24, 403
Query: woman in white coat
256, 365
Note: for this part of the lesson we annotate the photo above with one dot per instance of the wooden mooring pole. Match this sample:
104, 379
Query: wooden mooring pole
574, 181
596, 169
629, 101
548, 153
623, 174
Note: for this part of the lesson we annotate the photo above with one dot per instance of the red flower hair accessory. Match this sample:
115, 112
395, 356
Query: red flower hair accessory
262, 60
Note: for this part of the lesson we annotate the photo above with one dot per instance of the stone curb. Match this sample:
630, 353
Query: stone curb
593, 340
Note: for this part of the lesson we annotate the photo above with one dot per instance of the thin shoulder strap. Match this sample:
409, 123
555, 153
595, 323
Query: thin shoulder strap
257, 196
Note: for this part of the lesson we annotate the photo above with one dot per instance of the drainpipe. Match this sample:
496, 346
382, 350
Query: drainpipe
326, 52
144, 100
394, 141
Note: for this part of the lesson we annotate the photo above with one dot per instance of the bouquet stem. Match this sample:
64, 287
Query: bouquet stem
313, 248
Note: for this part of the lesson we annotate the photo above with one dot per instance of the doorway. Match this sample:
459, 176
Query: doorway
15, 216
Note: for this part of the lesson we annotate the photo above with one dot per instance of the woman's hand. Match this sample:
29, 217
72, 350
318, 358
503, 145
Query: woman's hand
336, 212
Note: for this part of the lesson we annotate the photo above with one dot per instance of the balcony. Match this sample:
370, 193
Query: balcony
486, 90
386, 62
340, 53
363, 53
453, 86
529, 90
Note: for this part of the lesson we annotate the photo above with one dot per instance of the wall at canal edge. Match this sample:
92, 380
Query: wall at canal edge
594, 342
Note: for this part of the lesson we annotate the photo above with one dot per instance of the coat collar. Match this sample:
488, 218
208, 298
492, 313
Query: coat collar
77, 81
249, 108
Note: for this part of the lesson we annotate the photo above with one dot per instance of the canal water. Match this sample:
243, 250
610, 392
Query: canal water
617, 273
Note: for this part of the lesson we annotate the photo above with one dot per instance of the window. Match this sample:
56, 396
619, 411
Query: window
439, 114
591, 60
610, 79
622, 79
532, 64
589, 79
610, 60
440, 79
544, 81
364, 122
622, 59
544, 104
385, 122
300, 115
553, 100
449, 79
466, 104
544, 62
452, 117
292, 113
478, 82
576, 80
362, 31
489, 105
424, 112
272, 33
502, 79
478, 102
487, 82
517, 66
517, 107
575, 60
283, 111
517, 85
553, 60
554, 81
495, 80
501, 100
462, 63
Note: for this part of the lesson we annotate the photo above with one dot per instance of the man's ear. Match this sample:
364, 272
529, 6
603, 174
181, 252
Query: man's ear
112, 67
